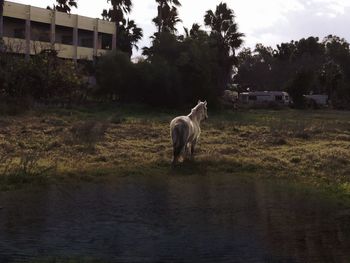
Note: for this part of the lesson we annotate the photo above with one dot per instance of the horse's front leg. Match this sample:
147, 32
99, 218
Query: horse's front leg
188, 150
193, 146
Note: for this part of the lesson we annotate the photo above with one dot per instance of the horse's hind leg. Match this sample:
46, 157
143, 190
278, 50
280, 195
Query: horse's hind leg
176, 155
178, 150
179, 137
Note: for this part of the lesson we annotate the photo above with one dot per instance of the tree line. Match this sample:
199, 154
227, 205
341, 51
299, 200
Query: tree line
306, 66
177, 69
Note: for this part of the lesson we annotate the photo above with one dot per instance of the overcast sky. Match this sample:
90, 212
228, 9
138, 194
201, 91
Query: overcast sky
269, 22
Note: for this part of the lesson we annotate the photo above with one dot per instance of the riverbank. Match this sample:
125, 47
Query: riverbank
307, 147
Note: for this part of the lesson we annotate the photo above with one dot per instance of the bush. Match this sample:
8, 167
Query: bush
28, 164
14, 106
43, 77
114, 72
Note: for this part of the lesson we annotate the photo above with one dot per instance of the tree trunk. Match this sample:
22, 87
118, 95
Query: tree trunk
160, 17
116, 34
1, 19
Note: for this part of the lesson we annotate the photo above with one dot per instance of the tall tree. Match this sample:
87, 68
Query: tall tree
331, 77
168, 15
118, 11
195, 32
128, 33
254, 69
337, 70
165, 22
224, 31
128, 37
64, 5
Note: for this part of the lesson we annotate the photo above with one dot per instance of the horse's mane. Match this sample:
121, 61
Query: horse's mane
194, 110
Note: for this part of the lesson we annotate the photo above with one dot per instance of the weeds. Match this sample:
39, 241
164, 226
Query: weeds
88, 133
26, 168
291, 128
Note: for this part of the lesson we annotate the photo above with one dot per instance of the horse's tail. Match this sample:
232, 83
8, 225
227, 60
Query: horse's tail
179, 134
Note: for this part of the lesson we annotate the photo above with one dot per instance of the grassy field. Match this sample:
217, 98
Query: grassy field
307, 147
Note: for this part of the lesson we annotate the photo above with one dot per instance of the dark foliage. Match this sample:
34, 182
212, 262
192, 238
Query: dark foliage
299, 67
64, 5
224, 31
177, 73
167, 17
43, 77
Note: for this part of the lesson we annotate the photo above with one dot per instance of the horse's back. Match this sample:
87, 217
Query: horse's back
180, 121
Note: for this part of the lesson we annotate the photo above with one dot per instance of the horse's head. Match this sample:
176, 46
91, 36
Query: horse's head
202, 110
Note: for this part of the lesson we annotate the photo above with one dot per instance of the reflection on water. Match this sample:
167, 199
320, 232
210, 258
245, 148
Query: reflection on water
173, 219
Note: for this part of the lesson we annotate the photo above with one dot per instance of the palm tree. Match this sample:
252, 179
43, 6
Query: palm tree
166, 21
224, 31
118, 12
64, 5
168, 15
194, 32
129, 35
224, 28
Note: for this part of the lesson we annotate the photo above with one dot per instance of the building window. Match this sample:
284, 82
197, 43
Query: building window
67, 40
13, 27
45, 37
40, 32
85, 38
64, 35
279, 98
87, 42
252, 97
19, 33
106, 41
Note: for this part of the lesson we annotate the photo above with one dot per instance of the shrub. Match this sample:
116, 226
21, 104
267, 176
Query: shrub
43, 77
14, 106
88, 133
28, 164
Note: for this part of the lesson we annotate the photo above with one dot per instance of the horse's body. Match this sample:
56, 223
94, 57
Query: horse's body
185, 131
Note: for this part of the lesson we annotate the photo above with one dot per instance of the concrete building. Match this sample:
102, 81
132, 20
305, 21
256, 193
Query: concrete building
29, 30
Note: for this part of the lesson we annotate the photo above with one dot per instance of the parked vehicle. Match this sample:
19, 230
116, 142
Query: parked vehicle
316, 100
265, 98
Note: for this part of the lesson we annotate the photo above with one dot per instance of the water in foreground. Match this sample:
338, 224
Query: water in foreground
173, 219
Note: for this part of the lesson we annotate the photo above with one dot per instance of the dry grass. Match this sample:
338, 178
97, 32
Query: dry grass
305, 146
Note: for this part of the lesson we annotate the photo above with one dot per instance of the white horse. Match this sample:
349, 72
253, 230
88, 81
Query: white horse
185, 131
